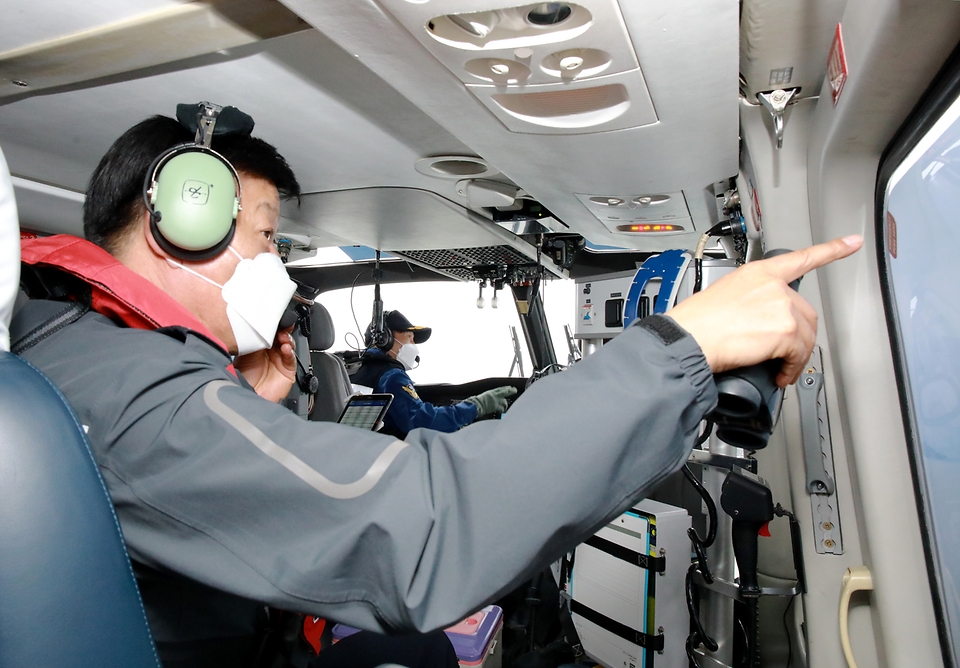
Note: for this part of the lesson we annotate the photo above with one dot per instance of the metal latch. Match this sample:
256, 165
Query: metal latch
818, 456
776, 103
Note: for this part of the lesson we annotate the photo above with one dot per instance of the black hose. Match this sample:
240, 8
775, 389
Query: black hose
699, 635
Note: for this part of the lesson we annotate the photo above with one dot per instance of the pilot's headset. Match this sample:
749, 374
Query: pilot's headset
191, 191
377, 334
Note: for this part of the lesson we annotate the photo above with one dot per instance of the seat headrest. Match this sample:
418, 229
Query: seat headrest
9, 253
322, 333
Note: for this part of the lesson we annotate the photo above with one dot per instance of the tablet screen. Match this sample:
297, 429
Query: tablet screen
365, 411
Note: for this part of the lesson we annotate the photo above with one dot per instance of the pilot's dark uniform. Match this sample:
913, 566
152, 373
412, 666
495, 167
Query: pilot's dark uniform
219, 491
386, 375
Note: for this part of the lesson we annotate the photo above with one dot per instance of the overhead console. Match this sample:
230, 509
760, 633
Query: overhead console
545, 68
575, 102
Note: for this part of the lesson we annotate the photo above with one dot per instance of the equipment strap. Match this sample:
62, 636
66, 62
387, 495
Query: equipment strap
644, 640
655, 564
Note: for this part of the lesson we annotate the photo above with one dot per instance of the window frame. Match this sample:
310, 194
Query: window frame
936, 100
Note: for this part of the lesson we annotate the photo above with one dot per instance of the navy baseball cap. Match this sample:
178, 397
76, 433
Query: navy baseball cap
397, 322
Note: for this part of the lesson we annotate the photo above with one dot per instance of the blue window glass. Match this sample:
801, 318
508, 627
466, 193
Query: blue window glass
921, 226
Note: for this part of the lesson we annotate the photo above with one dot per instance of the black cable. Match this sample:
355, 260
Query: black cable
698, 274
795, 542
738, 627
699, 635
711, 506
705, 434
688, 646
786, 630
354, 313
798, 565
701, 556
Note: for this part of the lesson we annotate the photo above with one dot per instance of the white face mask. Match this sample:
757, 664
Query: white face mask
256, 295
409, 356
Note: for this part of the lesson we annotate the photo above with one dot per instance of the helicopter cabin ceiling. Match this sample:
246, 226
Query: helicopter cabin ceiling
784, 44
406, 122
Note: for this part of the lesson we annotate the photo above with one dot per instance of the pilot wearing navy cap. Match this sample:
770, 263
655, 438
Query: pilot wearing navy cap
384, 370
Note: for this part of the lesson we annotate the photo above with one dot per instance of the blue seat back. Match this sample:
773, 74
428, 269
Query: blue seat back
67, 593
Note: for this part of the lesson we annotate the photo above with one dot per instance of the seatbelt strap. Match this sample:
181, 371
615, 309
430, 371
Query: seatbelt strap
70, 313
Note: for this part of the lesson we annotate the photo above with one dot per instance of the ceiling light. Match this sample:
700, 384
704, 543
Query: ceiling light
454, 167
653, 228
571, 62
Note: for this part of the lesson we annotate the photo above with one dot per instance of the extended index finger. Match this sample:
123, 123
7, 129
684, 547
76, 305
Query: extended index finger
792, 266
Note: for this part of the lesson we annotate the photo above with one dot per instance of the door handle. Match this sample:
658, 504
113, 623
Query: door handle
857, 578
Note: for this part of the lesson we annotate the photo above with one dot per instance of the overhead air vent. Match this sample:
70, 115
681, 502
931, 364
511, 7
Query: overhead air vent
498, 70
574, 63
653, 213
511, 28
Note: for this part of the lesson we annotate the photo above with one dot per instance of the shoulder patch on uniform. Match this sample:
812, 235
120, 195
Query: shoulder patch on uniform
409, 389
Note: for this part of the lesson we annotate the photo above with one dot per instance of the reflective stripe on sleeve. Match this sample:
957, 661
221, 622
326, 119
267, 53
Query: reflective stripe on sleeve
290, 461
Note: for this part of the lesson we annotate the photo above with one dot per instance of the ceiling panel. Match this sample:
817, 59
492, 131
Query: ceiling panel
687, 50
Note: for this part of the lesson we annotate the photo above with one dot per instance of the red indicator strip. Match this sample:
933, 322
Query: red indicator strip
656, 227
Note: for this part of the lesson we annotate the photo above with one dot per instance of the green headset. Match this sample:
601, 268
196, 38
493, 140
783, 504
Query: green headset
191, 191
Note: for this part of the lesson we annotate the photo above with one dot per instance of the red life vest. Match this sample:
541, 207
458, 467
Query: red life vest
115, 291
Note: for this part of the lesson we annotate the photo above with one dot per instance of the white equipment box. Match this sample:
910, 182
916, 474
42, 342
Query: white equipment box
627, 589
606, 303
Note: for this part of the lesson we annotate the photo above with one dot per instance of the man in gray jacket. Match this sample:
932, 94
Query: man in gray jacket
229, 501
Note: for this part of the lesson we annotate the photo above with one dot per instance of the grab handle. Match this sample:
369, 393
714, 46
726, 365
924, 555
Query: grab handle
857, 578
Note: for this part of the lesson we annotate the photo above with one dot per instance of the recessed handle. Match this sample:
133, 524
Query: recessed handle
857, 578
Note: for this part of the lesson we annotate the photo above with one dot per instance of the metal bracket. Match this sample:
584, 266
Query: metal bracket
732, 589
818, 456
206, 121
776, 103
707, 458
812, 423
706, 661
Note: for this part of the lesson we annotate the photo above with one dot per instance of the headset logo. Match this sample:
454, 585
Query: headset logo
196, 192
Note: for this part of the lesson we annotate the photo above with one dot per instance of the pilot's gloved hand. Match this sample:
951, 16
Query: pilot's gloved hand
492, 401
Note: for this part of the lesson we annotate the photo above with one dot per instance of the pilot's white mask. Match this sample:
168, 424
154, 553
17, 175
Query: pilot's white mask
256, 295
409, 356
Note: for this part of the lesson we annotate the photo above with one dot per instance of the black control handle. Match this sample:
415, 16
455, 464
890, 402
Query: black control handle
748, 500
745, 546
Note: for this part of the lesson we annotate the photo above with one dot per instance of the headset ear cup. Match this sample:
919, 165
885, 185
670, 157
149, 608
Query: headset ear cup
193, 201
382, 340
385, 336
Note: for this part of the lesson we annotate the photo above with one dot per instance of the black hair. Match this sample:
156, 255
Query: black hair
114, 200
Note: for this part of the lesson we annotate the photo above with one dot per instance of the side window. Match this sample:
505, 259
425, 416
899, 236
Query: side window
920, 234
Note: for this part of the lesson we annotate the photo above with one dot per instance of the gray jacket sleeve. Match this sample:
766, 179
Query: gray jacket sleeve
212, 481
